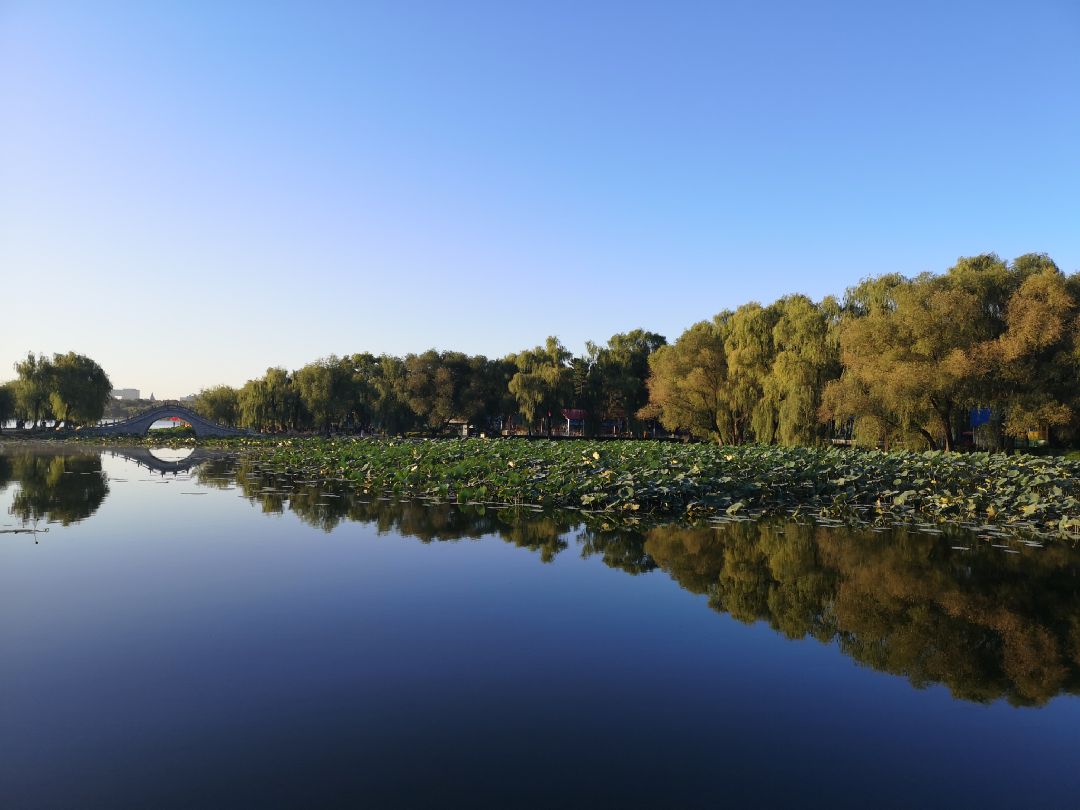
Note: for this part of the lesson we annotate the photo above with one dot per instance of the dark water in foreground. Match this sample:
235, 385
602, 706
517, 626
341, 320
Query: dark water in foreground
229, 638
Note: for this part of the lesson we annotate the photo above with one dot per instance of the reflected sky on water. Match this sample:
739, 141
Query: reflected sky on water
227, 636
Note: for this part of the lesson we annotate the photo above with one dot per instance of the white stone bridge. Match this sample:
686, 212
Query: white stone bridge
139, 424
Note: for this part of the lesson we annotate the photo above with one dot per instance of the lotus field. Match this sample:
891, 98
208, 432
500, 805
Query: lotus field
1018, 494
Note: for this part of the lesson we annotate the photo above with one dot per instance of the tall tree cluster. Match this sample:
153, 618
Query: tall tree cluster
69, 388
899, 362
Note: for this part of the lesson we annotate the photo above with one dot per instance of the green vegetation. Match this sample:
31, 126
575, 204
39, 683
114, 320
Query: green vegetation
8, 403
69, 388
899, 363
663, 480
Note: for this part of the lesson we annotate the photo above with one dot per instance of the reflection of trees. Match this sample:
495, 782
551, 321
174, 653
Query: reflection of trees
543, 533
59, 488
324, 505
618, 548
218, 472
985, 624
5, 471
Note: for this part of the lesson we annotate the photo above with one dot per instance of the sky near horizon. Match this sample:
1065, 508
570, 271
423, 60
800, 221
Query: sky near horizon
192, 192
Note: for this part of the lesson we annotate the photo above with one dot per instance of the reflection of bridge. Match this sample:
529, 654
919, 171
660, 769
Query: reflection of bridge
140, 423
144, 457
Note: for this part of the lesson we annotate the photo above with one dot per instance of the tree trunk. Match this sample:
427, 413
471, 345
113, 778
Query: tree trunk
944, 414
929, 438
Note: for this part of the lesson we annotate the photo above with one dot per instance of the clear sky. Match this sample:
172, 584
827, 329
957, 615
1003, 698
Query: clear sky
191, 192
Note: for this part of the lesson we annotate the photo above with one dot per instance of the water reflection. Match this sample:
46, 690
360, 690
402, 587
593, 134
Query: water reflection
942, 609
57, 487
986, 624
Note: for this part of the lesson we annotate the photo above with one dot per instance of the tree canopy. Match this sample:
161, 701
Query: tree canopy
900, 362
69, 388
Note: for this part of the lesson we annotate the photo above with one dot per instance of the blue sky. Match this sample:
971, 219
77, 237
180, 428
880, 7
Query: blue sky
191, 192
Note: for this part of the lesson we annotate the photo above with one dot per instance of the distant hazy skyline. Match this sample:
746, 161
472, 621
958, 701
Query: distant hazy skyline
191, 192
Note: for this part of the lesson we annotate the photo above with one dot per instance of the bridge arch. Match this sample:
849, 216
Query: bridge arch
139, 425
144, 457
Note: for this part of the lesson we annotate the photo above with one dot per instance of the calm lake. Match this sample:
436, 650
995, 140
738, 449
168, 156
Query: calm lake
208, 633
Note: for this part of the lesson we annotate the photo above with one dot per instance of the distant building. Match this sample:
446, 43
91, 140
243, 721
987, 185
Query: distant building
125, 393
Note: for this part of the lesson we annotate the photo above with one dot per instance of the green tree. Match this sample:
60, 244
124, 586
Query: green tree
360, 368
78, 389
270, 402
438, 385
918, 354
325, 391
33, 387
748, 344
542, 382
687, 383
613, 377
220, 404
588, 392
913, 365
7, 402
390, 411
806, 359
487, 396
1035, 359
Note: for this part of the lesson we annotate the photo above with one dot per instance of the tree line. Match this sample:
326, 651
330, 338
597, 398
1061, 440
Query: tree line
429, 392
895, 362
898, 362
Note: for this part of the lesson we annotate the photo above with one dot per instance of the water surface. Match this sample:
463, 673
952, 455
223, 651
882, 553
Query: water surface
205, 632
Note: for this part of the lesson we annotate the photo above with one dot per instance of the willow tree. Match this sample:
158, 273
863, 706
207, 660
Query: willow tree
269, 402
918, 354
1037, 358
806, 358
33, 387
324, 390
748, 344
79, 389
912, 364
389, 407
7, 403
220, 403
687, 383
542, 381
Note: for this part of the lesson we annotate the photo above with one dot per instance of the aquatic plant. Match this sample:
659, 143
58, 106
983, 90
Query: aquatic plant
1021, 494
